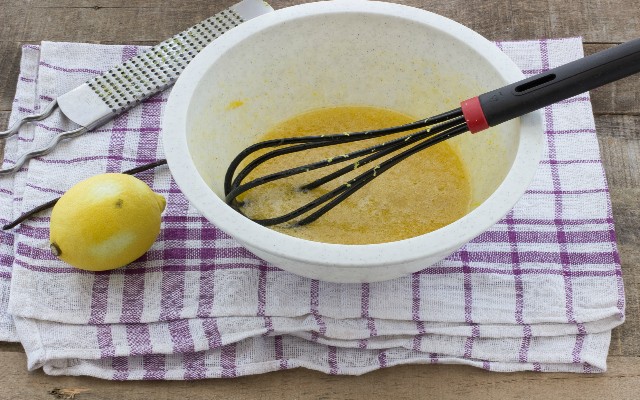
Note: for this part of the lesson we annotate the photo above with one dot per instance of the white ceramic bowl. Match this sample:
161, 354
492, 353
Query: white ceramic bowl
344, 53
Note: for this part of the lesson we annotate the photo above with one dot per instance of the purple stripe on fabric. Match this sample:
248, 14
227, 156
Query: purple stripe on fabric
177, 204
515, 267
417, 339
46, 98
4, 274
568, 162
382, 358
555, 177
486, 365
45, 190
533, 71
25, 79
207, 294
262, 290
618, 269
209, 253
5, 237
179, 229
120, 367
468, 345
154, 367
31, 47
25, 110
33, 252
37, 253
268, 324
537, 367
467, 287
99, 297
139, 339
371, 325
363, 343
551, 132
25, 140
568, 192
523, 354
210, 327
128, 52
332, 358
47, 128
228, 360
279, 352
63, 69
181, 336
194, 365
131, 129
591, 236
540, 257
364, 300
132, 297
314, 300
433, 358
577, 348
364, 309
173, 296
6, 191
117, 145
562, 240
579, 99
415, 297
618, 265
158, 98
416, 343
105, 341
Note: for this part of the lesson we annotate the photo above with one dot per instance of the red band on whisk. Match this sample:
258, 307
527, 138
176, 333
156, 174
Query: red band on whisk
474, 115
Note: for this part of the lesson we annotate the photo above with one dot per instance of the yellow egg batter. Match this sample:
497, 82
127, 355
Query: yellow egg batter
420, 194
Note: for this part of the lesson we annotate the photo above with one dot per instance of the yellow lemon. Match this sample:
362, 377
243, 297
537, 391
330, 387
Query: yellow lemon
105, 222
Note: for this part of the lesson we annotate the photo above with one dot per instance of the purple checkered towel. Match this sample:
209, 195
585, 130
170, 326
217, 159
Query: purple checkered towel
541, 290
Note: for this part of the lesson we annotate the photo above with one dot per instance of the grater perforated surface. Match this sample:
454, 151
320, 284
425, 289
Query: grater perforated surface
127, 84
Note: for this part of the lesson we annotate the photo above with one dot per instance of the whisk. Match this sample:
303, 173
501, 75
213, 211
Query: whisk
474, 115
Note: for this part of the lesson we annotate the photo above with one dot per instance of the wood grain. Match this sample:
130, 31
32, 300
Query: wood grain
601, 24
405, 382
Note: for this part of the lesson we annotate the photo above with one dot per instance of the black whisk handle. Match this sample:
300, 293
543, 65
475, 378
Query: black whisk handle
517, 99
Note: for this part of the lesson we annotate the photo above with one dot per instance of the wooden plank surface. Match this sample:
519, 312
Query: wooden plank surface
601, 23
403, 382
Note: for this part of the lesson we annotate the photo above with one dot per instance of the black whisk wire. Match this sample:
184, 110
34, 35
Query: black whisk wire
376, 152
309, 142
439, 128
340, 193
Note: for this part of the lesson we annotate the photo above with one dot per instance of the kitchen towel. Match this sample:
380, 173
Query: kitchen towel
541, 290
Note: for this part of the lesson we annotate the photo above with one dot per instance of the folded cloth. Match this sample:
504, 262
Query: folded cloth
541, 290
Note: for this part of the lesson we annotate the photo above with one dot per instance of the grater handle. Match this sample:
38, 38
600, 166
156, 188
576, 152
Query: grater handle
560, 83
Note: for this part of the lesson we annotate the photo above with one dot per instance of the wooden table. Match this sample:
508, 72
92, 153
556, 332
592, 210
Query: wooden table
601, 23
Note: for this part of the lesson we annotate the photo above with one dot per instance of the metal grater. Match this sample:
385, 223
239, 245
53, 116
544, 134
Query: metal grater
122, 87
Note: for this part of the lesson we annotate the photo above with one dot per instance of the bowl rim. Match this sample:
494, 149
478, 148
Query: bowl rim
253, 235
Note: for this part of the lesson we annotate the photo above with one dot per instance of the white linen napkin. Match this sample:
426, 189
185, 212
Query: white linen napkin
541, 290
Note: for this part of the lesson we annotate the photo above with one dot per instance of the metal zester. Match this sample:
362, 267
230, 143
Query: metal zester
126, 85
